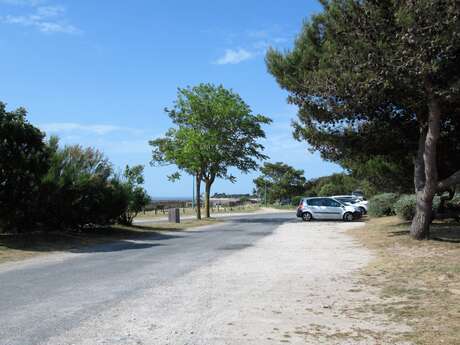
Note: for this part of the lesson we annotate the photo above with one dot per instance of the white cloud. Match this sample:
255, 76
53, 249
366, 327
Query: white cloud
66, 127
235, 56
47, 19
22, 2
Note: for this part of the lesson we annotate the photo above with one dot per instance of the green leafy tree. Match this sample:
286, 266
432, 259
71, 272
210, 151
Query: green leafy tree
79, 190
23, 162
215, 130
381, 79
137, 196
281, 182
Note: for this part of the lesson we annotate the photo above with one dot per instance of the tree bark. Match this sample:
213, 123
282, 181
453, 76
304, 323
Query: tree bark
207, 199
208, 183
198, 196
420, 227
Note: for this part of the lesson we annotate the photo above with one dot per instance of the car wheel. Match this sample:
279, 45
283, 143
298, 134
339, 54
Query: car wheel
348, 217
362, 210
307, 216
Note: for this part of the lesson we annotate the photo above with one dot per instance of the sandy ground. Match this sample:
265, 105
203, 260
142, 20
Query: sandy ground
296, 286
262, 210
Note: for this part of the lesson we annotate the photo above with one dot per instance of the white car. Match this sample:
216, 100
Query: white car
326, 208
353, 200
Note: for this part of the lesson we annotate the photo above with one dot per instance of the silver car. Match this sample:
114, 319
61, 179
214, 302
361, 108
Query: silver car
326, 208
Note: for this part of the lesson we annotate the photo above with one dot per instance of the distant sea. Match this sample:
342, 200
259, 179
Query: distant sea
171, 198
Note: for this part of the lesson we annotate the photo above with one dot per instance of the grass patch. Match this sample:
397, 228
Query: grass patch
15, 247
419, 280
191, 212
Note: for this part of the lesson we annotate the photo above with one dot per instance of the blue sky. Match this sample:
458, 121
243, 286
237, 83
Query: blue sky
99, 73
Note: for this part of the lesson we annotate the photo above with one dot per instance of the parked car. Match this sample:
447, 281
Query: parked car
353, 200
326, 208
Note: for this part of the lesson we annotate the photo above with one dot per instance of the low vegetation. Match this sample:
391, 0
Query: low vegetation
45, 187
383, 204
419, 282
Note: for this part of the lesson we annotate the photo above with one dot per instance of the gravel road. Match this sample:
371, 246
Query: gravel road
260, 279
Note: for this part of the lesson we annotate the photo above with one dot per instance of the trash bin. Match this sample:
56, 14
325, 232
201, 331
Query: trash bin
174, 215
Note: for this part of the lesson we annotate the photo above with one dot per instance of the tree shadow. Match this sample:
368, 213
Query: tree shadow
86, 241
115, 247
262, 220
441, 231
445, 232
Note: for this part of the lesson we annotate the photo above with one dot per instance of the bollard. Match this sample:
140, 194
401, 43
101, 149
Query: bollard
174, 215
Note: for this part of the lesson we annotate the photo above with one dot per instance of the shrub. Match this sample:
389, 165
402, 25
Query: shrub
136, 196
405, 207
454, 204
296, 200
382, 204
23, 162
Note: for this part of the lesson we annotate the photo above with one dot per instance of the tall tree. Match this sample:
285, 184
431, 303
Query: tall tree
281, 181
215, 131
381, 78
23, 162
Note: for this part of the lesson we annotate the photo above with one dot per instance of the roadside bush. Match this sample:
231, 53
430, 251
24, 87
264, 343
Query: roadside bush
405, 207
382, 204
24, 159
79, 190
136, 196
296, 200
45, 187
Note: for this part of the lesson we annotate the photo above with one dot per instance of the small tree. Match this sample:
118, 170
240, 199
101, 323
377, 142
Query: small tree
281, 181
136, 195
215, 131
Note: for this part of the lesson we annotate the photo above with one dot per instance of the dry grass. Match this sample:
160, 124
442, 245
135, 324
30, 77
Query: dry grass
419, 281
19, 247
191, 212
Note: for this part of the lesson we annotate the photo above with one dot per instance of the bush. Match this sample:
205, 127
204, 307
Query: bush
405, 207
296, 200
24, 159
454, 204
382, 205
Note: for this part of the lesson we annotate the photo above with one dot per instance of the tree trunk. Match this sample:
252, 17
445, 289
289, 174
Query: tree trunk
207, 198
198, 196
420, 227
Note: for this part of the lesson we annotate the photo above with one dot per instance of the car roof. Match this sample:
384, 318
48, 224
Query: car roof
318, 197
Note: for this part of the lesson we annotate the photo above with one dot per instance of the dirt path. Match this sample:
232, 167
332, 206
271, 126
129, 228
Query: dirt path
295, 287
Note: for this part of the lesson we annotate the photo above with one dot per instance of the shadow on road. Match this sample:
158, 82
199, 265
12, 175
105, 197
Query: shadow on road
263, 220
115, 247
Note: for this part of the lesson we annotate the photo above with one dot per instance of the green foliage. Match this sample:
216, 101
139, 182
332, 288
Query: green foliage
79, 190
45, 187
296, 200
335, 184
24, 159
405, 207
136, 195
214, 131
382, 204
281, 181
361, 73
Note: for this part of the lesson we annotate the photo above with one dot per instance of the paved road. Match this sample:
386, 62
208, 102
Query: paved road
51, 296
